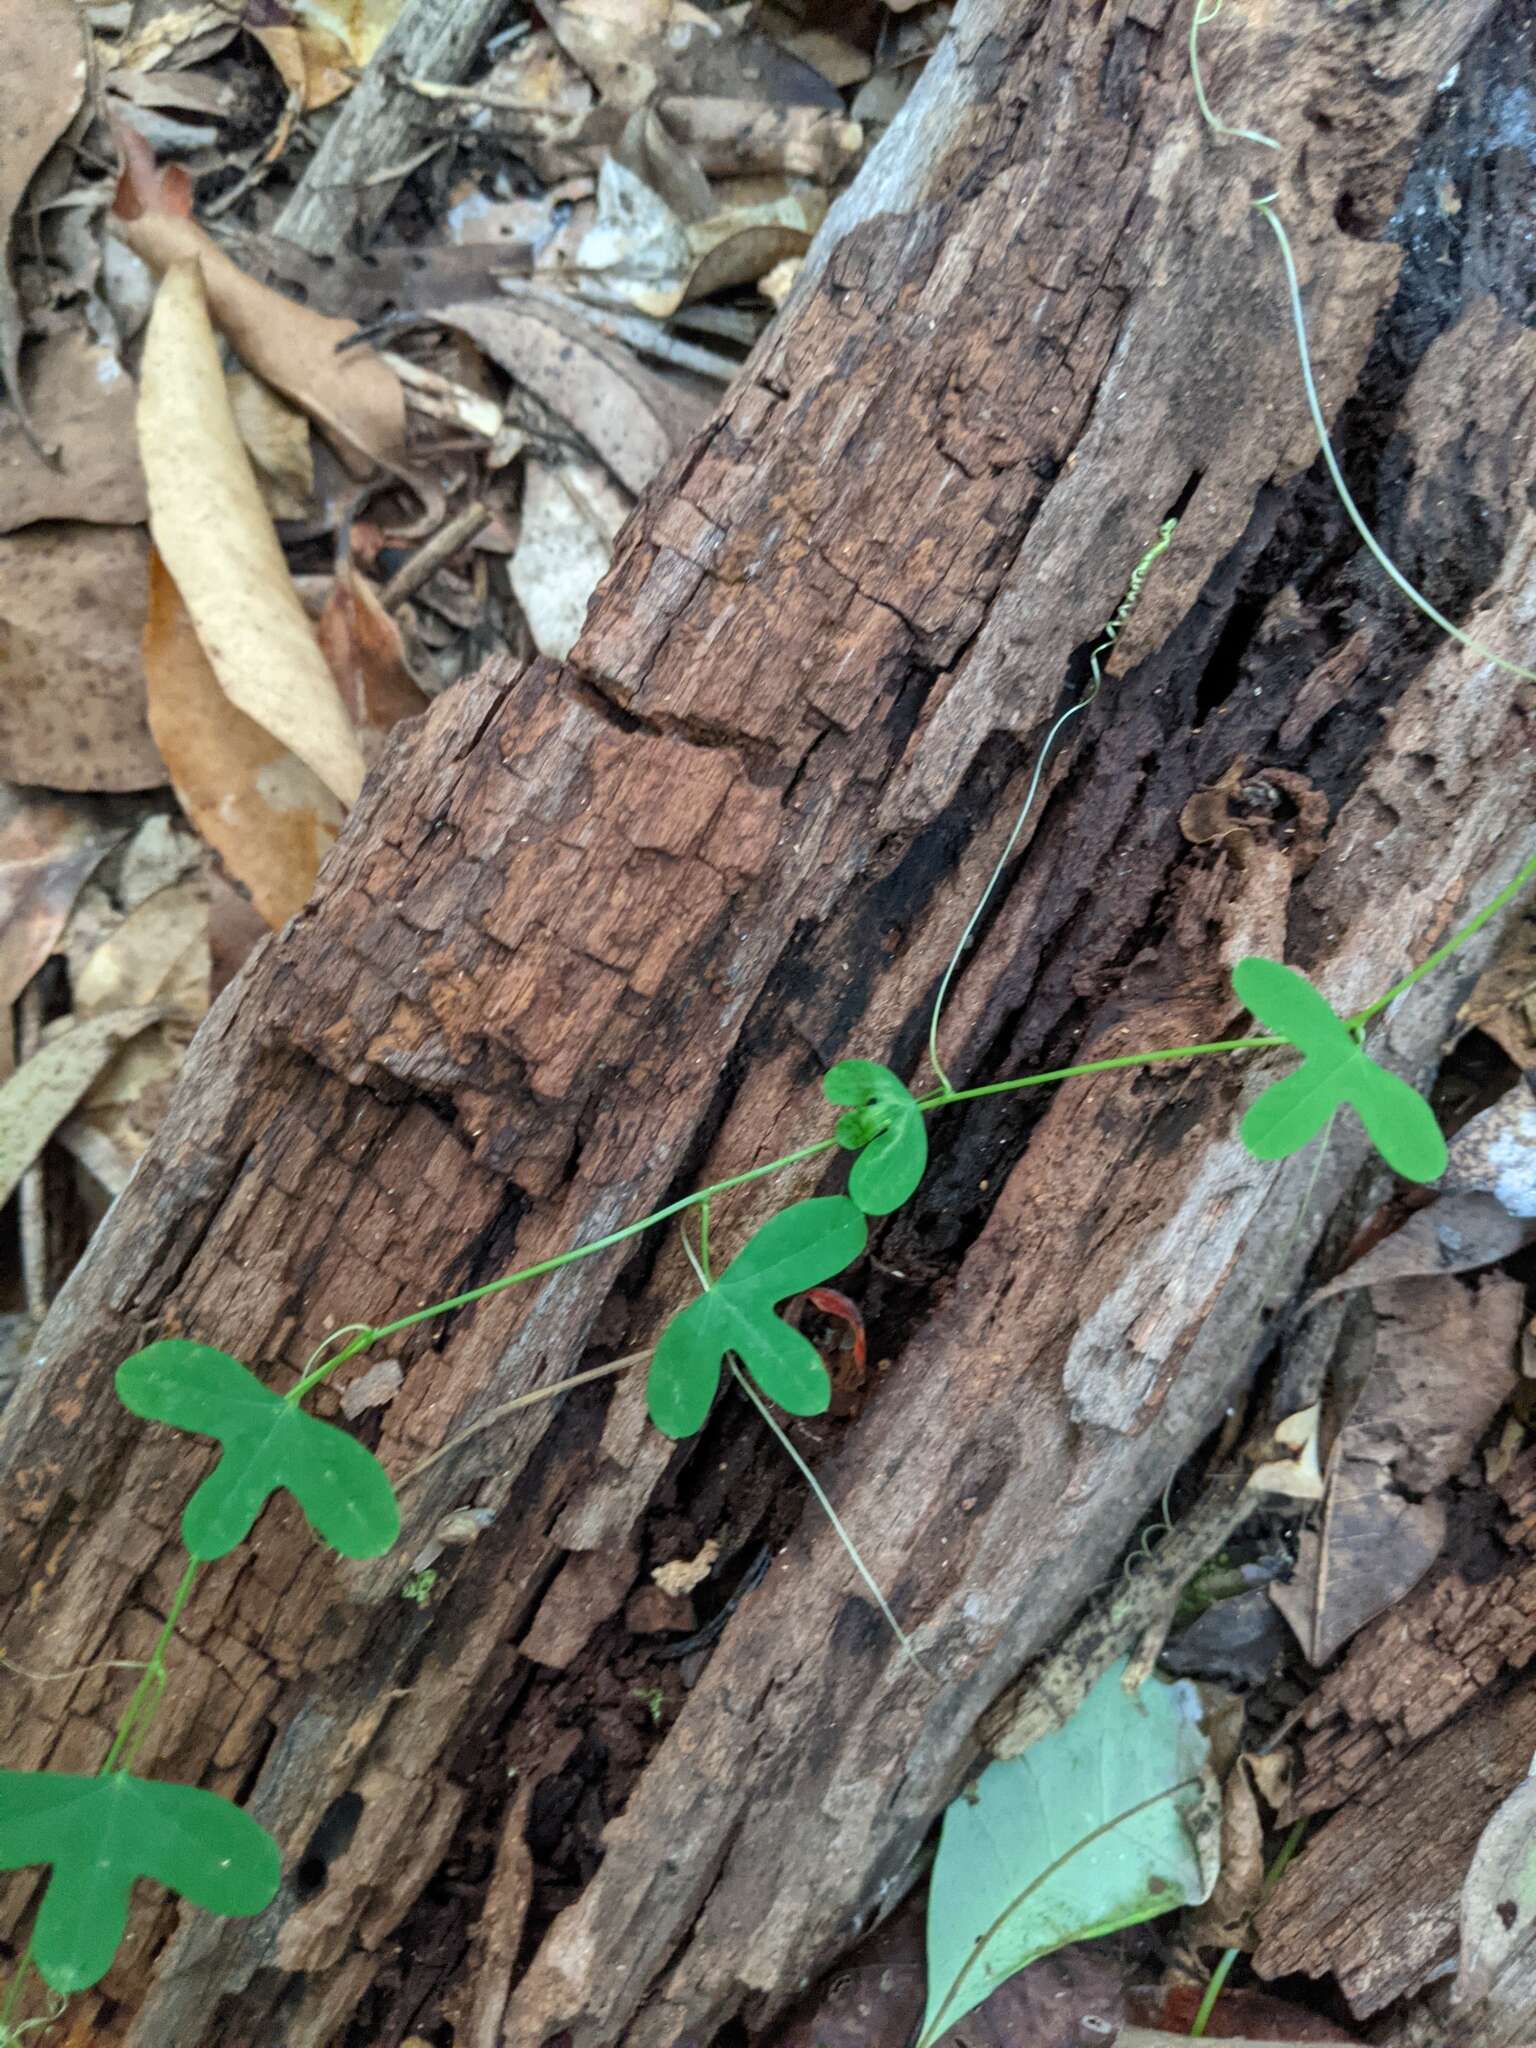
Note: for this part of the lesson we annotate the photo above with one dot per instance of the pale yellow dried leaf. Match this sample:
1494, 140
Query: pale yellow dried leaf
276, 437
217, 541
267, 816
1299, 1476
353, 397
44, 1089
158, 953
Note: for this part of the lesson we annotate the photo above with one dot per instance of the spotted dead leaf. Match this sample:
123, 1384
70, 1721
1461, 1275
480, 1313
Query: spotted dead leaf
71, 676
268, 817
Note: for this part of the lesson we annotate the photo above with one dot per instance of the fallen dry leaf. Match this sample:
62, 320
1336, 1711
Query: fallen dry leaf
157, 953
47, 851
320, 52
1445, 1365
217, 542
81, 401
1503, 1004
1486, 1209
267, 816
1498, 1900
183, 33
42, 60
44, 1089
235, 926
353, 397
276, 437
630, 418
1226, 1918
564, 546
643, 255
71, 674
1299, 1474
362, 645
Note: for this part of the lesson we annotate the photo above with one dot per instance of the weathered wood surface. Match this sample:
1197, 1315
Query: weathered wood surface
593, 934
1415, 1738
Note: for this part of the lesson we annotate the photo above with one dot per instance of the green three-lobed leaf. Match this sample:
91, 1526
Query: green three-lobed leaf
269, 1443
802, 1246
886, 1126
100, 1834
1335, 1071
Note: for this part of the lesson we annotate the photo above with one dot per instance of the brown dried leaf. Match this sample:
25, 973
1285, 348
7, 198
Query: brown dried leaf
71, 676
1485, 1212
366, 655
42, 60
218, 544
47, 851
81, 402
630, 418
353, 397
1503, 1004
1445, 1364
267, 816
276, 437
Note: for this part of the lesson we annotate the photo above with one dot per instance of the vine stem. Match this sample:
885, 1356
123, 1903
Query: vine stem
701, 1197
1096, 682
134, 1725
1452, 945
1223, 1969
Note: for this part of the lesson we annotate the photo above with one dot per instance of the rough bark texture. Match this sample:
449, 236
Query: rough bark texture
1414, 1739
593, 934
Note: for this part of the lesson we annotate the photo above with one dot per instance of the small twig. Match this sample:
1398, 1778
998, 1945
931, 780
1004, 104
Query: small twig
32, 1206
431, 555
495, 1415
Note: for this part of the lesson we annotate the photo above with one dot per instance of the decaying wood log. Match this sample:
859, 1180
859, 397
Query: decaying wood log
593, 933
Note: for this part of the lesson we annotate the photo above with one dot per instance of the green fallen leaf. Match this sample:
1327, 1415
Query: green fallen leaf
1335, 1071
268, 1443
887, 1129
1090, 1830
801, 1247
100, 1834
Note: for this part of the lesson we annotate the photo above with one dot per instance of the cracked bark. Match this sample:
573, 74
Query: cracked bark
592, 934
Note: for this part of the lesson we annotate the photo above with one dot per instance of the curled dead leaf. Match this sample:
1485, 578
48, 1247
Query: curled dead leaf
268, 817
352, 396
217, 541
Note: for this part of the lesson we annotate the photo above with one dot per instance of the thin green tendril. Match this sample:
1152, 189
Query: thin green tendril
1207, 10
1111, 634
